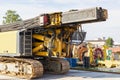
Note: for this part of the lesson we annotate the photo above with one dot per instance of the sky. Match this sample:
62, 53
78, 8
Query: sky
31, 8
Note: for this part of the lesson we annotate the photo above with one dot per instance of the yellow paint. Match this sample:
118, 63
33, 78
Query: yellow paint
42, 38
39, 37
55, 18
8, 42
41, 53
37, 48
54, 53
59, 47
37, 43
109, 63
104, 51
90, 51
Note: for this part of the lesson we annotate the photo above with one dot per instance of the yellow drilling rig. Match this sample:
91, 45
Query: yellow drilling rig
30, 47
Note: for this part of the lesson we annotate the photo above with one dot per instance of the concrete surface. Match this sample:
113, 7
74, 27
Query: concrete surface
73, 75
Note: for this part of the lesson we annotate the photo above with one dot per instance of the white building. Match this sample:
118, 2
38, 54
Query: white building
96, 43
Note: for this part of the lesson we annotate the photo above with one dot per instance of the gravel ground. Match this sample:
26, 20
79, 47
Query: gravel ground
73, 75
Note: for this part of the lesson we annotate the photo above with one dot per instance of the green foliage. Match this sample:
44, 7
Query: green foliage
11, 17
109, 42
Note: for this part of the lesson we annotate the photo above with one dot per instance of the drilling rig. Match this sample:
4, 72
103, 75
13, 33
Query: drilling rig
30, 47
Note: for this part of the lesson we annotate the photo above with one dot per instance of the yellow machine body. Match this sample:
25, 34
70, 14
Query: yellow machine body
58, 46
9, 42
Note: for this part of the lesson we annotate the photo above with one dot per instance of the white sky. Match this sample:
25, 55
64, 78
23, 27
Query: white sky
31, 8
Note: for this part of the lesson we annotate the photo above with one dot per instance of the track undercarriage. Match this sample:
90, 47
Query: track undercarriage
29, 68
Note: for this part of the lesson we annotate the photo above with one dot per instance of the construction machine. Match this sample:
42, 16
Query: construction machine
102, 57
30, 47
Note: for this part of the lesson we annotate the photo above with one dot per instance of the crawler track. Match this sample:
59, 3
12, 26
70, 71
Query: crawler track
20, 67
56, 66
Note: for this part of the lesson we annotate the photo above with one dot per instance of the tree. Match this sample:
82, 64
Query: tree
11, 17
109, 42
